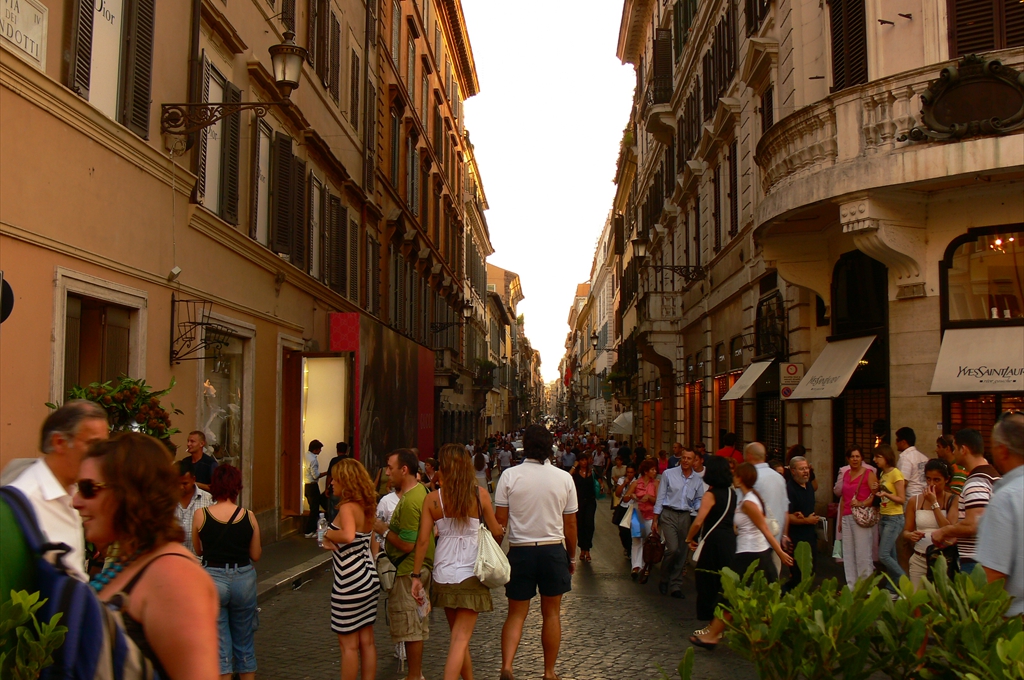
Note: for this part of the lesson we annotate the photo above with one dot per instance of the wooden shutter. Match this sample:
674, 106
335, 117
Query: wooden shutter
354, 80
1013, 23
335, 56
353, 261
716, 206
368, 272
311, 34
229, 158
767, 109
300, 225
375, 264
734, 189
335, 240
80, 60
662, 66
396, 31
254, 188
972, 26
283, 205
696, 230
288, 14
848, 26
200, 163
138, 72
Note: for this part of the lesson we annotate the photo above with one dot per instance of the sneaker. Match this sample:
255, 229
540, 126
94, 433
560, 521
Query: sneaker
311, 534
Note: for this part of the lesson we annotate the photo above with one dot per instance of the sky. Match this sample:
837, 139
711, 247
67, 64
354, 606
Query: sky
546, 127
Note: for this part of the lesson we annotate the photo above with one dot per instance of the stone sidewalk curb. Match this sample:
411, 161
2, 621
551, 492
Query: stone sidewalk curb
269, 587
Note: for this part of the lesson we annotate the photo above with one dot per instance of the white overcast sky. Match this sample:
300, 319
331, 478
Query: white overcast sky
546, 128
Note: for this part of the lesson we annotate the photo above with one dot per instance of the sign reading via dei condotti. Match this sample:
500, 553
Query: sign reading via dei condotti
23, 29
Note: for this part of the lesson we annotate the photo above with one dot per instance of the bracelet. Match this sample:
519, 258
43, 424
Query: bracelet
936, 506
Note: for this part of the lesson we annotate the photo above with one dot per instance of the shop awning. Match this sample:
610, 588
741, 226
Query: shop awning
828, 375
623, 424
980, 360
747, 380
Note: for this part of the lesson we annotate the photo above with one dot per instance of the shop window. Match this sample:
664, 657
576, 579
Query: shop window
736, 353
222, 407
771, 326
721, 359
860, 295
979, 411
97, 339
769, 423
984, 278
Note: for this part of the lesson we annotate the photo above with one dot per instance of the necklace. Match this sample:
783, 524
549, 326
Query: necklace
100, 580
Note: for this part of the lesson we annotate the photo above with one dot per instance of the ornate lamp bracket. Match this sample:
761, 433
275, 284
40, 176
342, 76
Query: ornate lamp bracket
184, 119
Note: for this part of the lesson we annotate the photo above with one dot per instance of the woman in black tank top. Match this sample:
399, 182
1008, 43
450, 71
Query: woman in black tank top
227, 537
127, 491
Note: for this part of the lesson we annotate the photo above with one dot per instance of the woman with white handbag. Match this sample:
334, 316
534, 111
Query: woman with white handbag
457, 509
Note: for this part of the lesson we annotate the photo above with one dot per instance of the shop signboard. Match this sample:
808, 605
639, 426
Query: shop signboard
790, 376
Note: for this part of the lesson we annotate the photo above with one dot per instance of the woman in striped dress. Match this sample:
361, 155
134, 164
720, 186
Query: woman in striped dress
356, 585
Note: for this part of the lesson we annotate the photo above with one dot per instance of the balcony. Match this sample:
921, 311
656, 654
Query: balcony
446, 370
860, 139
656, 109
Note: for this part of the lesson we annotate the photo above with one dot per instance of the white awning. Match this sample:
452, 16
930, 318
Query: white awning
829, 374
980, 360
747, 380
623, 424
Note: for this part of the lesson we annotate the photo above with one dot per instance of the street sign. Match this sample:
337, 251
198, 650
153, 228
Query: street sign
6, 298
790, 376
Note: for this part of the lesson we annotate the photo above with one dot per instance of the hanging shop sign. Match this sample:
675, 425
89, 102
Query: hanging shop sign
790, 376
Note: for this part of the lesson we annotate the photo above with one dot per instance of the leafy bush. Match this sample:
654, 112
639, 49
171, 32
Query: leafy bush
27, 646
130, 405
947, 629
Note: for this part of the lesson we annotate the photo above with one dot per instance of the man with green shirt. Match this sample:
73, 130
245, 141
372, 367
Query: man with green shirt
399, 543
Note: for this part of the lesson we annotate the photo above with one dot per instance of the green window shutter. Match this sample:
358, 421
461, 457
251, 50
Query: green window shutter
80, 58
283, 204
230, 158
301, 232
335, 57
138, 72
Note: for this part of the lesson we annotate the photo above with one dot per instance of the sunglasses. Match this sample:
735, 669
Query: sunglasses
88, 489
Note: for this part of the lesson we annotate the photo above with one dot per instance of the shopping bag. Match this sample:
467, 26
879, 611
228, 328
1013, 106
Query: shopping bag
627, 519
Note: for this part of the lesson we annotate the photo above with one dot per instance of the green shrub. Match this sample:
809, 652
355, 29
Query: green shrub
27, 646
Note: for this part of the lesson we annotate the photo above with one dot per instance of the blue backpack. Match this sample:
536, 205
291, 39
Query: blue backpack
96, 646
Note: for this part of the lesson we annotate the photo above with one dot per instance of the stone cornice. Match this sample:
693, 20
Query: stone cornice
455, 21
636, 15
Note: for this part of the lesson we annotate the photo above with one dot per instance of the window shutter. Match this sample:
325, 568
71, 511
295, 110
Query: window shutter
716, 206
300, 226
396, 30
375, 264
973, 26
354, 81
138, 73
848, 26
767, 109
335, 57
662, 66
368, 273
353, 261
311, 40
80, 61
254, 189
281, 194
335, 242
288, 14
229, 158
200, 191
734, 189
1013, 22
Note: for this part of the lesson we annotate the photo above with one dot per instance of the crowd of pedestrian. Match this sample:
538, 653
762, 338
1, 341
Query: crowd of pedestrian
413, 535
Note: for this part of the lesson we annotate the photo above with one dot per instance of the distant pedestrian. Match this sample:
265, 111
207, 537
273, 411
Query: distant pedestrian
677, 453
621, 486
586, 496
330, 500
970, 452
803, 520
1001, 536
537, 503
356, 585
227, 537
400, 536
729, 450
911, 461
600, 466
48, 483
771, 487
891, 489
854, 490
203, 463
457, 510
311, 485
662, 461
925, 513
192, 499
679, 496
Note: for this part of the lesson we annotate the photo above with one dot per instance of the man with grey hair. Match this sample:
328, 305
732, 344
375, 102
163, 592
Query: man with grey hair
1000, 549
772, 488
801, 516
50, 482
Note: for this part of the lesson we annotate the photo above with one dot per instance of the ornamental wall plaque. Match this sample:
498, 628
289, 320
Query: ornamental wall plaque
976, 96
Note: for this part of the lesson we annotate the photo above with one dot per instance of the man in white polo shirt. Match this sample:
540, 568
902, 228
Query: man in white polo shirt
536, 503
49, 483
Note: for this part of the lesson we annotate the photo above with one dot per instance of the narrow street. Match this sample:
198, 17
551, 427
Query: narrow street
612, 629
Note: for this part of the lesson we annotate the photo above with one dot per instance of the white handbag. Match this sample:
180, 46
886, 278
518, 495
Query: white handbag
704, 535
627, 520
492, 567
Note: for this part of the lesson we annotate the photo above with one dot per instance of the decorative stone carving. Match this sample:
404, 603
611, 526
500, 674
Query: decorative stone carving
886, 233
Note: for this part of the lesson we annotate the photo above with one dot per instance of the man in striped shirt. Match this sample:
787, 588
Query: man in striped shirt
969, 450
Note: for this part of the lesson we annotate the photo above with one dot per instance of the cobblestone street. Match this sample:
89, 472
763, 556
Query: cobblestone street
612, 629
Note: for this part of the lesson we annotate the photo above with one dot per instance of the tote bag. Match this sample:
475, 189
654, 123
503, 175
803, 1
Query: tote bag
492, 567
627, 519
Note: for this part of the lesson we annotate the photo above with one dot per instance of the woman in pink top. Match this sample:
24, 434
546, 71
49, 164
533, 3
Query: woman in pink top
858, 542
644, 492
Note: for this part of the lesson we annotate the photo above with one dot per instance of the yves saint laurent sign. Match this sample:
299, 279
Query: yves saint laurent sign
980, 360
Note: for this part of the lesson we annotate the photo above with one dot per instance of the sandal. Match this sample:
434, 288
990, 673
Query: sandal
635, 574
703, 631
697, 642
644, 575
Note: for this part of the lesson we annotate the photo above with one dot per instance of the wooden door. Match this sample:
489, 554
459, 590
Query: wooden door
291, 433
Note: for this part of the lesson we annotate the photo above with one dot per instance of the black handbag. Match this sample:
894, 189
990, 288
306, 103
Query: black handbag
618, 513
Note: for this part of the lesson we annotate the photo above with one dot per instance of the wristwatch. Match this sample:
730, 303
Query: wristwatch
417, 575
936, 506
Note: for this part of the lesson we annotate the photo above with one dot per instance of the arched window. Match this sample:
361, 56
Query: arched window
982, 278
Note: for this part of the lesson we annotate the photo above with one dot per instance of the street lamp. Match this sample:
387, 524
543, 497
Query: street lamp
185, 119
594, 339
689, 273
441, 326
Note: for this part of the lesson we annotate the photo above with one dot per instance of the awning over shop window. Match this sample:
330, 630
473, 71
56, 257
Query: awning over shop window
835, 365
622, 424
980, 360
747, 380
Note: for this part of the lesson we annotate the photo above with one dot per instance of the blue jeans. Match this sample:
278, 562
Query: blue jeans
889, 529
237, 622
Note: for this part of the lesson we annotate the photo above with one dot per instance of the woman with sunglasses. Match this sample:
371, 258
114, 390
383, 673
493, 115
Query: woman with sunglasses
127, 490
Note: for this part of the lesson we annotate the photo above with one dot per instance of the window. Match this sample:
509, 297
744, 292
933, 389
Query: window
396, 31
111, 59
716, 208
372, 275
334, 84
848, 27
288, 14
395, 149
983, 25
222, 408
767, 109
757, 11
218, 155
353, 96
983, 277
425, 95
290, 229
319, 48
337, 245
410, 76
770, 328
682, 16
353, 258
734, 189
696, 231
860, 295
437, 42
316, 227
259, 229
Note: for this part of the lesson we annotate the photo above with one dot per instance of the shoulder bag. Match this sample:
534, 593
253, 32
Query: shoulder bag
492, 567
704, 535
865, 516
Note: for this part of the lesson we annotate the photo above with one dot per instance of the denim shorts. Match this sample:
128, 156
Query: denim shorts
538, 567
238, 620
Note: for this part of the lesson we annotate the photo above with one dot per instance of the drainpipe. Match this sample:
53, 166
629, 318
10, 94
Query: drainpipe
194, 63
